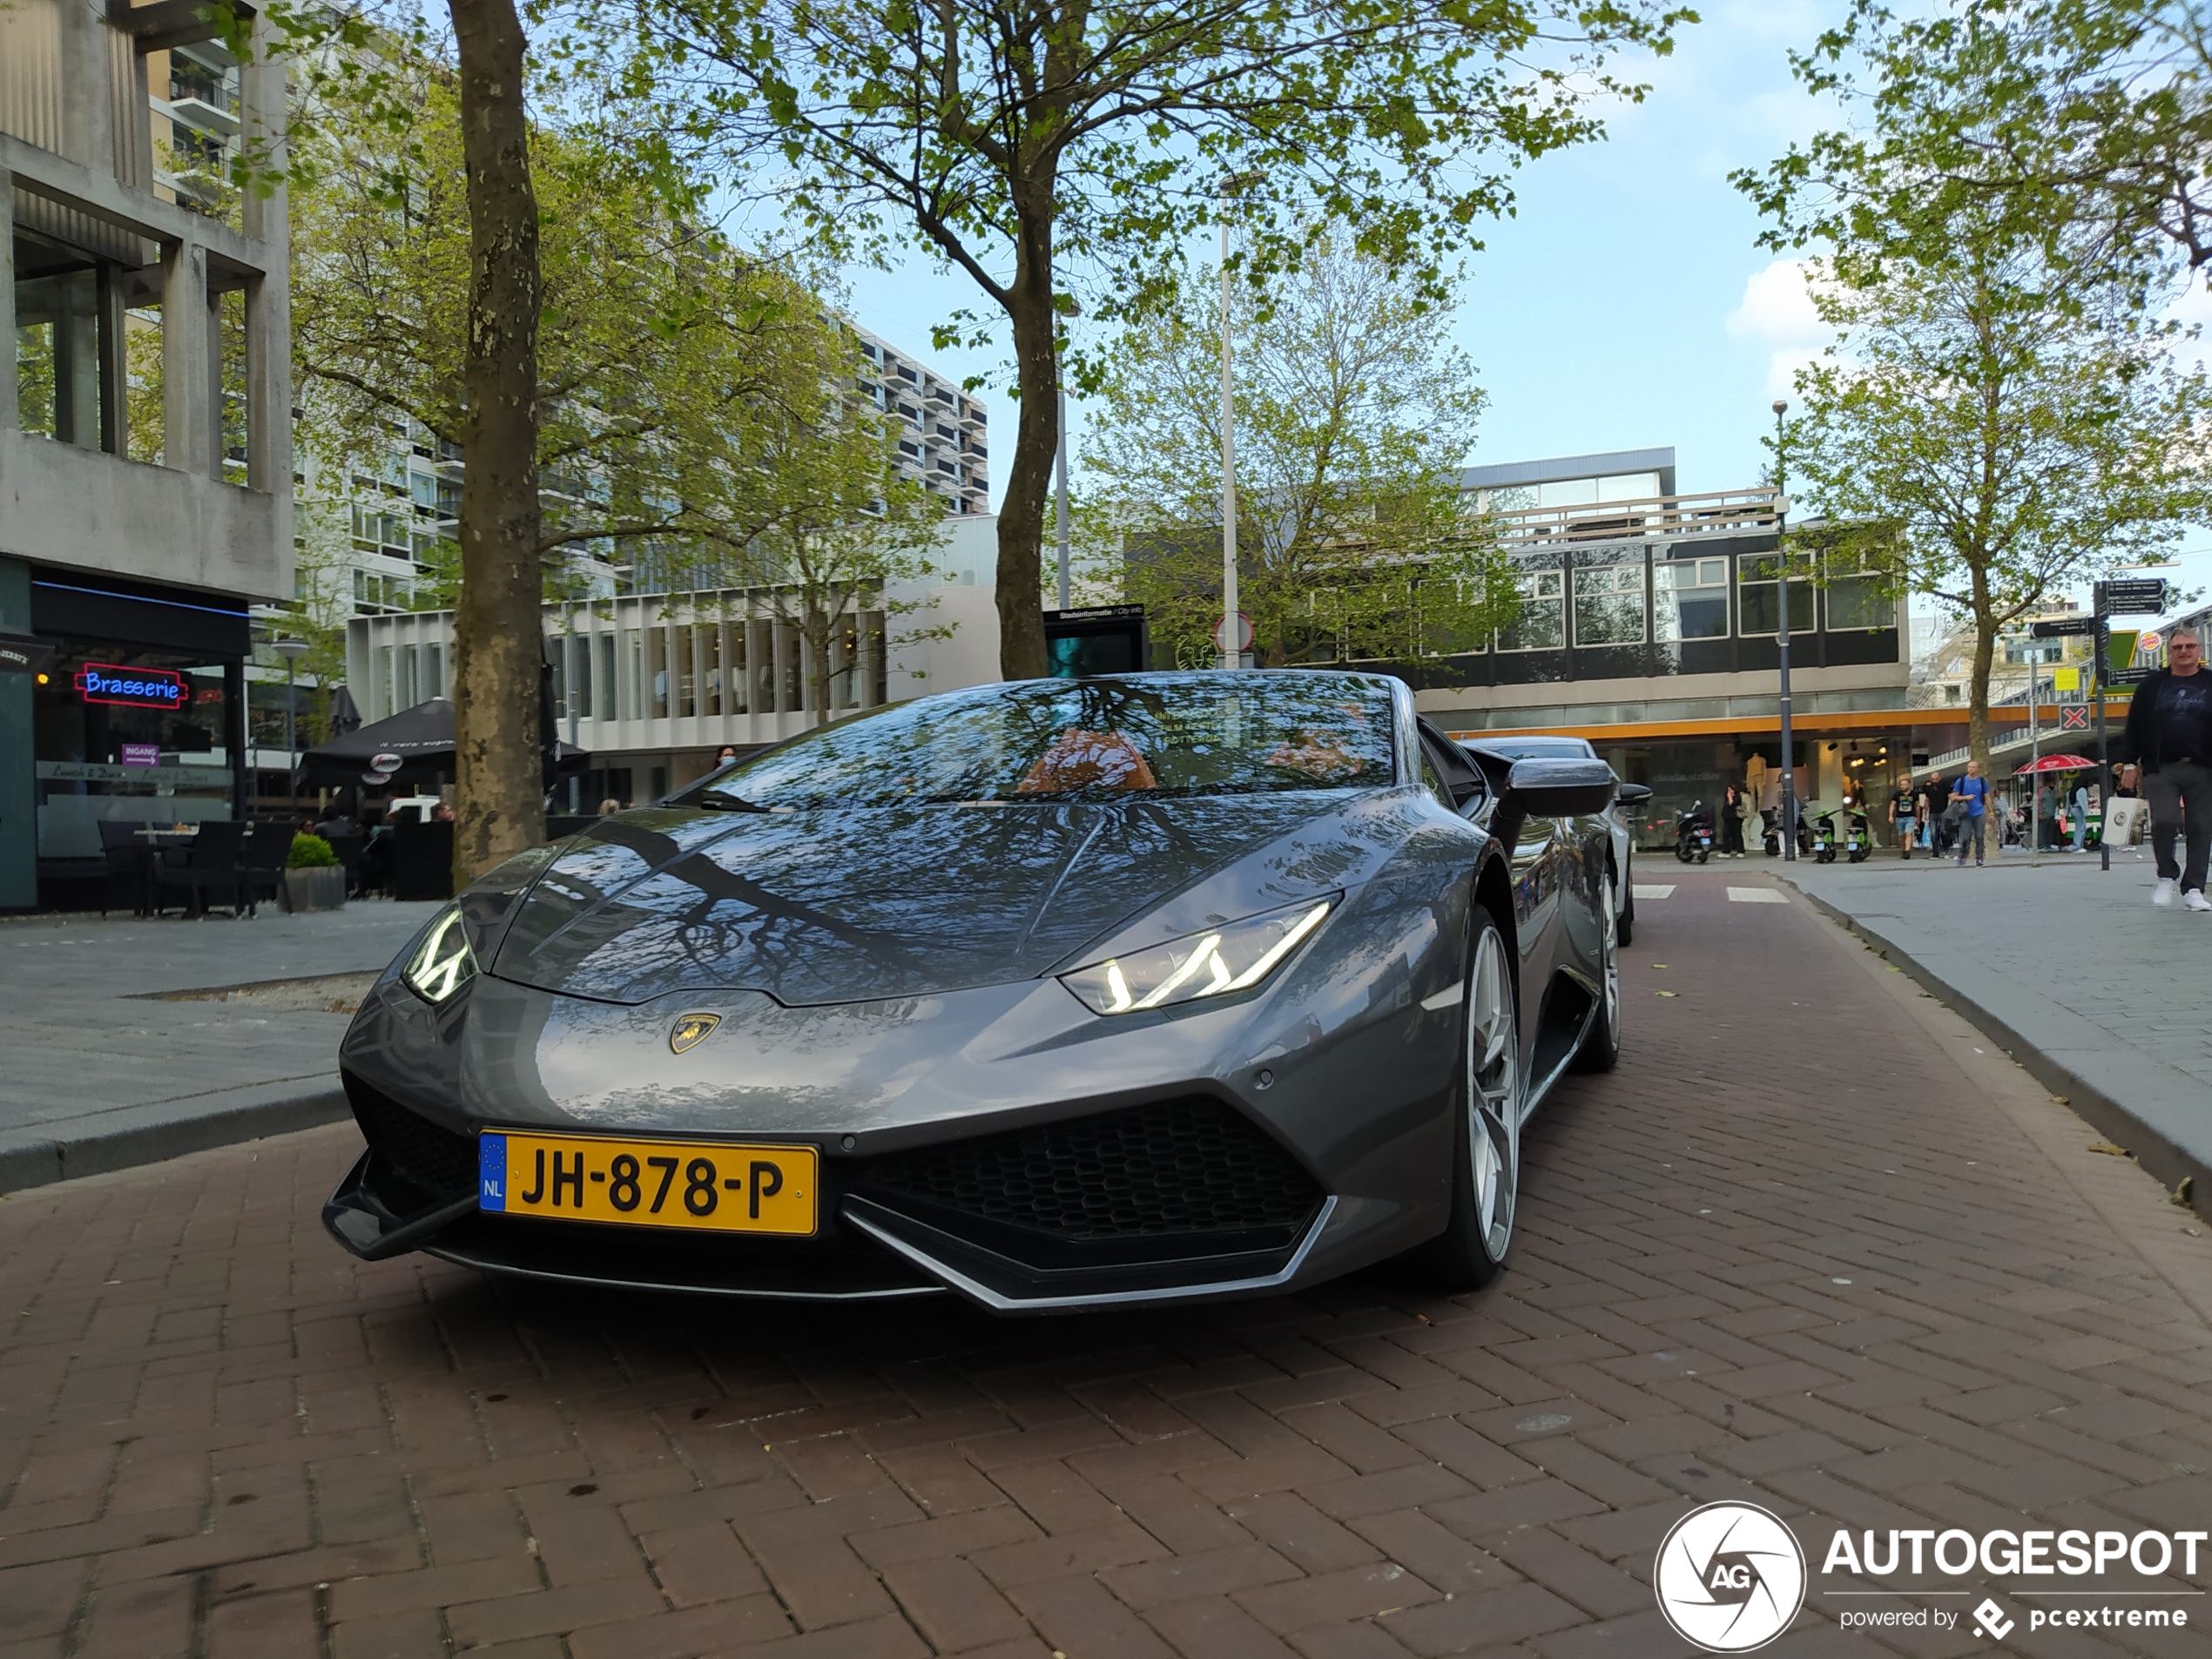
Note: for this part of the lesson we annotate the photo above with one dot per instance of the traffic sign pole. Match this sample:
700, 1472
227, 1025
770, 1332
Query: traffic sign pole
2104, 746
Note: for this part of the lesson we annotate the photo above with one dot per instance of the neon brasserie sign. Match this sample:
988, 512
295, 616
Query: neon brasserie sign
131, 688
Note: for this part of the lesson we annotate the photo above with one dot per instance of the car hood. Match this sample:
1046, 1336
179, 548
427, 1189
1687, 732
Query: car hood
825, 905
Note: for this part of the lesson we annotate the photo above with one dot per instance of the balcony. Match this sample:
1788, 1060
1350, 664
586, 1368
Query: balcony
1717, 512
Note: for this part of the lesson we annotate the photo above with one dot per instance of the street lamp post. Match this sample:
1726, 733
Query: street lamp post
1060, 493
292, 651
1233, 654
1781, 634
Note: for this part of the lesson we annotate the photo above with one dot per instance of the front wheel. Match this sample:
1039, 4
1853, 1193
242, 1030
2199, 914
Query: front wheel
1682, 852
1486, 1175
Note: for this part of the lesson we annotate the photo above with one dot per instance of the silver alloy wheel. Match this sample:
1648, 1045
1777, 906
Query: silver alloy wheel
1494, 1093
1611, 970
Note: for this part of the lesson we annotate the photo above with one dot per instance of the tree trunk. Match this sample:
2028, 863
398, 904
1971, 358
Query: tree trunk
818, 628
1978, 687
1029, 481
496, 649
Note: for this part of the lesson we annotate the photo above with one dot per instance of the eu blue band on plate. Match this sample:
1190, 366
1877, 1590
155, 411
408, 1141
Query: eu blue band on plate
491, 1171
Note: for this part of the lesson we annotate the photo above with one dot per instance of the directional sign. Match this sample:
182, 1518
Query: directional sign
2065, 627
2074, 719
2127, 676
2132, 596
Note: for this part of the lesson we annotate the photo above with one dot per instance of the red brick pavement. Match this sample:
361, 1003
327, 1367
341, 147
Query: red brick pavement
1796, 1249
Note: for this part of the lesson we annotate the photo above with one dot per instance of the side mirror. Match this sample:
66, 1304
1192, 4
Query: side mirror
1559, 788
1632, 795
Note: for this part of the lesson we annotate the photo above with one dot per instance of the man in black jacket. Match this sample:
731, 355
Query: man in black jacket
2167, 743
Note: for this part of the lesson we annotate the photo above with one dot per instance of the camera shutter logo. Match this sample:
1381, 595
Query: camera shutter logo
1729, 1577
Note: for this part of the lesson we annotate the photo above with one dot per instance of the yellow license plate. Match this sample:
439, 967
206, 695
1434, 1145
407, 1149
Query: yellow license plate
717, 1186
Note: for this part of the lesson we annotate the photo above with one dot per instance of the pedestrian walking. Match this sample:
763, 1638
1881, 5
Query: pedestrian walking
2081, 804
1902, 822
2167, 745
1731, 822
1939, 827
1970, 804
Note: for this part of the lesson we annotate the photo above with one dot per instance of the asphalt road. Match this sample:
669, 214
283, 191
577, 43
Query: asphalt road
1811, 1246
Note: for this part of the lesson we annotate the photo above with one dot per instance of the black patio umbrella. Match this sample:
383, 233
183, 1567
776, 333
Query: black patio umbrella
413, 747
345, 713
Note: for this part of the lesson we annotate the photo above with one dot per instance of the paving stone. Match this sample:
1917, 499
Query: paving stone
1363, 1472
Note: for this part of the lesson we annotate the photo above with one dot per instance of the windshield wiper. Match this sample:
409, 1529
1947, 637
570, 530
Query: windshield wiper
715, 800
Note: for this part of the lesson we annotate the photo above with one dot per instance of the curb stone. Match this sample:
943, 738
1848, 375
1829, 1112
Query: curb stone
38, 1161
2170, 1160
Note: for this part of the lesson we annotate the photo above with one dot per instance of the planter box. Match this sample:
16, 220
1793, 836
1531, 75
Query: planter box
315, 889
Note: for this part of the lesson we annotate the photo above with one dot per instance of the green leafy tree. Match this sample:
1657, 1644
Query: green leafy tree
2082, 126
1354, 414
1982, 441
1060, 154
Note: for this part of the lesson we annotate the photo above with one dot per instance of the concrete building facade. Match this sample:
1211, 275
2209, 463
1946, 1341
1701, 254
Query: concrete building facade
146, 467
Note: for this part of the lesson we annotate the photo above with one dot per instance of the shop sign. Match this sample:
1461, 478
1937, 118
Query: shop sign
100, 772
21, 654
131, 688
141, 754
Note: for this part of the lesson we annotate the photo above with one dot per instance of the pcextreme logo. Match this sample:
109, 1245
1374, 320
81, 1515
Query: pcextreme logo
1729, 1577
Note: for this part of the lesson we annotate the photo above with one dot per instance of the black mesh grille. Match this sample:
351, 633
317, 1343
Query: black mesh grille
441, 1162
1184, 1166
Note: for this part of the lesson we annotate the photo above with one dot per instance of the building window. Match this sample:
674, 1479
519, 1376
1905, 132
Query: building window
1757, 612
1690, 599
1541, 624
1608, 603
1857, 597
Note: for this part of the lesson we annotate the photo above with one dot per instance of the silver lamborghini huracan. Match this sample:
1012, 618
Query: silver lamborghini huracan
1056, 995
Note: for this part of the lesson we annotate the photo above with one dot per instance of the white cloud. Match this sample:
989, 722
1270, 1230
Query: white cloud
1777, 310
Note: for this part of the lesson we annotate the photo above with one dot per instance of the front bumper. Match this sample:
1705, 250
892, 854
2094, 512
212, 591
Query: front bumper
1178, 1201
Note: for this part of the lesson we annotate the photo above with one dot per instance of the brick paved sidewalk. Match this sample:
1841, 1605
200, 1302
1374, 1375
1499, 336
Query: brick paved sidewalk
1806, 1246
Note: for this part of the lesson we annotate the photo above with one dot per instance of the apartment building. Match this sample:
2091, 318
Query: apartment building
146, 464
943, 433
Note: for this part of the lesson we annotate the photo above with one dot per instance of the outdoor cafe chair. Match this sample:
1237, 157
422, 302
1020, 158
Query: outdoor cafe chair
216, 862
268, 849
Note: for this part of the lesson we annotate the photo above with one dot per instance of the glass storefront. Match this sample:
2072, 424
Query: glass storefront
131, 733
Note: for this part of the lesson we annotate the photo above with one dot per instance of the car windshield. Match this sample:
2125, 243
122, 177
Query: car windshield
1148, 735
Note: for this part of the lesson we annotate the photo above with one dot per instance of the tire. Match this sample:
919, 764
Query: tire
1626, 933
1682, 852
1702, 857
1485, 1166
1600, 1046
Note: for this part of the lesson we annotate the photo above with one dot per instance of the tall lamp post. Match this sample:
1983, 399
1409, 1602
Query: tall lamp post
1233, 654
292, 651
1781, 634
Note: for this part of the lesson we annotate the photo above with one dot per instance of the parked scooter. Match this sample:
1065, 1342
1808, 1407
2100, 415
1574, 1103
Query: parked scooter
1770, 832
1823, 831
1694, 834
1859, 838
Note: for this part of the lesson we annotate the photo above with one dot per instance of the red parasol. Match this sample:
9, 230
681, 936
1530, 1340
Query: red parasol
2056, 763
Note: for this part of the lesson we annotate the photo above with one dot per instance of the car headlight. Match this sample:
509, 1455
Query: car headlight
1231, 958
442, 963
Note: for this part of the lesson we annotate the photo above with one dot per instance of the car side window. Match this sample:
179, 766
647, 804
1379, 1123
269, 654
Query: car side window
1433, 780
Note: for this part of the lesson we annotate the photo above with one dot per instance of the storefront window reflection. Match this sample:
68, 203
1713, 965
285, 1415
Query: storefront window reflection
1609, 601
1690, 599
1756, 574
127, 733
1541, 624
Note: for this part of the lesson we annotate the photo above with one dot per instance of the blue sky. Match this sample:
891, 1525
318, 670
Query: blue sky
1610, 313
1627, 303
